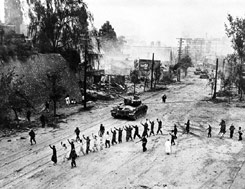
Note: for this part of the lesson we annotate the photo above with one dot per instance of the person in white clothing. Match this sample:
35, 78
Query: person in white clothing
107, 140
101, 142
95, 143
65, 156
81, 148
168, 147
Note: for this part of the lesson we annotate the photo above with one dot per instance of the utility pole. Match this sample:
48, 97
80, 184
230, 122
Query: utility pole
180, 49
152, 66
215, 82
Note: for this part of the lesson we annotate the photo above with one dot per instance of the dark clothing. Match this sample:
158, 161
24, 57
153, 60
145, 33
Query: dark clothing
187, 127
223, 127
164, 97
209, 131
73, 158
72, 145
72, 148
32, 136
144, 142
172, 138
152, 128
54, 156
77, 131
136, 131
43, 120
127, 133
107, 144
28, 115
130, 133
240, 135
87, 145
159, 126
232, 128
145, 131
175, 131
102, 130
114, 135
119, 135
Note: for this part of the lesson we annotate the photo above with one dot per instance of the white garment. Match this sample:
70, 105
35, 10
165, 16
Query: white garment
65, 156
168, 146
107, 137
101, 143
67, 100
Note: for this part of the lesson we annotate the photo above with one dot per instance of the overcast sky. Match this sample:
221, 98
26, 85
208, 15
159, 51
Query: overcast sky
164, 20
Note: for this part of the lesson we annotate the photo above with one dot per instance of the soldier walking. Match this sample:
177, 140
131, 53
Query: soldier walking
102, 130
164, 97
144, 142
32, 136
209, 131
77, 131
73, 158
173, 137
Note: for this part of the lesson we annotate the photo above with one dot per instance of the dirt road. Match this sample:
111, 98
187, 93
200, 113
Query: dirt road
196, 161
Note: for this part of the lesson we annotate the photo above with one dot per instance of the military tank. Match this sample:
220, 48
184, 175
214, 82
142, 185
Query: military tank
131, 108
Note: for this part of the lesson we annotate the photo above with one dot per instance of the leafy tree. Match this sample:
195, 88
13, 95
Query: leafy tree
58, 24
184, 64
12, 95
108, 36
235, 31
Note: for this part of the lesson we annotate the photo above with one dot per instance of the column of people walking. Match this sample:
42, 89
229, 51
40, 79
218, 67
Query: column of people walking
106, 139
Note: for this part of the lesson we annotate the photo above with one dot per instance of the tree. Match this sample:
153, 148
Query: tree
55, 88
58, 24
235, 31
184, 64
63, 27
108, 37
12, 95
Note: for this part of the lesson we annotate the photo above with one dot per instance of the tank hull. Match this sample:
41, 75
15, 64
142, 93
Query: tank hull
131, 113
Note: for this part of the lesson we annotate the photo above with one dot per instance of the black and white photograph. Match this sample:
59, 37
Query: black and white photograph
122, 94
